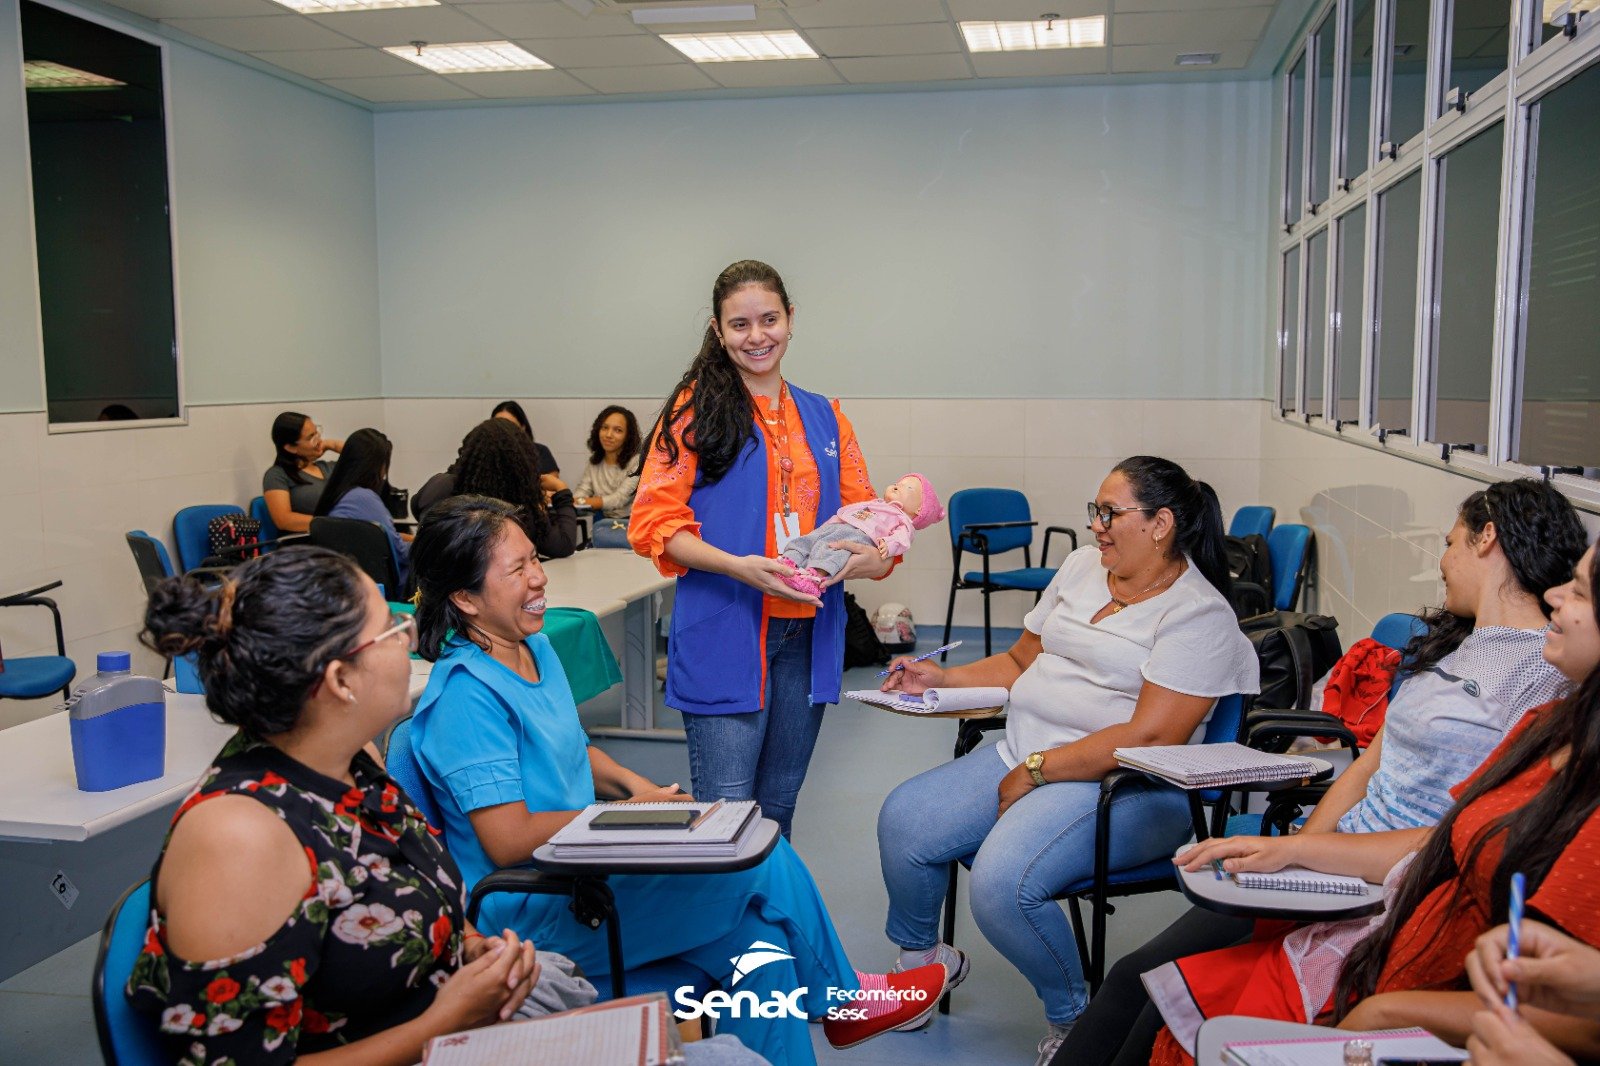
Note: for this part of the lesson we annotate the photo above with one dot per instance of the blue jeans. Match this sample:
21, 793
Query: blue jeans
762, 755
610, 532
1044, 843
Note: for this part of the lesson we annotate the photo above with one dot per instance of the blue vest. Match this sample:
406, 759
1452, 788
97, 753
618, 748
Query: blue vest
718, 640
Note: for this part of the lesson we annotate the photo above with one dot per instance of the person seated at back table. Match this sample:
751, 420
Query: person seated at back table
1467, 679
355, 490
511, 411
294, 482
497, 459
611, 479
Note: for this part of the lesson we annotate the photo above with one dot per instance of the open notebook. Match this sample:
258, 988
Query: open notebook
1297, 879
638, 1031
934, 700
721, 835
1218, 765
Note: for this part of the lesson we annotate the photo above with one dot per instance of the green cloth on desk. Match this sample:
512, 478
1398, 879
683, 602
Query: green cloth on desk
578, 642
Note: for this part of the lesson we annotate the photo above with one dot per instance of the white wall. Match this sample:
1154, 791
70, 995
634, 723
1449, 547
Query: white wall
1072, 242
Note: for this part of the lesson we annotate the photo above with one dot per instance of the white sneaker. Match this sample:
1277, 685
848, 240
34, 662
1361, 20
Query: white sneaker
1052, 1043
956, 965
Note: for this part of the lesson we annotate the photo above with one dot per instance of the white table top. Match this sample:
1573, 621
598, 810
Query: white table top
39, 797
602, 574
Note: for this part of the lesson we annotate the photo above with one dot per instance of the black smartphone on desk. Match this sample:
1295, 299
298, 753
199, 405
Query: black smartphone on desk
676, 818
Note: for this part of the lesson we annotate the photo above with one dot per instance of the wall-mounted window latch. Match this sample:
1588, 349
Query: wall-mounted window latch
1344, 184
1340, 423
1388, 150
1311, 208
1455, 100
1385, 434
1446, 450
1551, 471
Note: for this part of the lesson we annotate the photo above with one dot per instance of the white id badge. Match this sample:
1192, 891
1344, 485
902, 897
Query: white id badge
785, 527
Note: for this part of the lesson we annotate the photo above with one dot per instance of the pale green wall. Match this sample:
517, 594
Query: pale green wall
1088, 241
273, 195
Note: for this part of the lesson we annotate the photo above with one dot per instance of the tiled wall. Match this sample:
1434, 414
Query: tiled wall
67, 499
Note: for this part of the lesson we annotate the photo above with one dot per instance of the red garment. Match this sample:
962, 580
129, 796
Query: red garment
1430, 949
1357, 692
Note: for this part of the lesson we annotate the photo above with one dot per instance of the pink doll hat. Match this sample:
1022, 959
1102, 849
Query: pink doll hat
931, 510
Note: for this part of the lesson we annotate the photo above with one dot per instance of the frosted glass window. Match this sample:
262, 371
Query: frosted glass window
1358, 128
1394, 316
1480, 34
1408, 81
1316, 319
1289, 330
1347, 315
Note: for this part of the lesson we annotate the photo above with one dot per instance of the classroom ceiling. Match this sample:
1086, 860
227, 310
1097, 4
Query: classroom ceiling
603, 52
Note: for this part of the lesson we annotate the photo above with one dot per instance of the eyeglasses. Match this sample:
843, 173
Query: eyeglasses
401, 624
1107, 513
316, 431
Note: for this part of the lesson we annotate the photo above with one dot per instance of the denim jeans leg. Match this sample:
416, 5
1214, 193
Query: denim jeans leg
925, 824
793, 721
723, 750
1044, 843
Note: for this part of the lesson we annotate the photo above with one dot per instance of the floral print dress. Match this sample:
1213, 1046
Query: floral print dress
379, 930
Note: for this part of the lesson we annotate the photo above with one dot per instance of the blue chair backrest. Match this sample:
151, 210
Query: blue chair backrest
1253, 520
1223, 728
1395, 631
258, 511
1287, 545
189, 531
401, 762
976, 506
160, 549
127, 1038
186, 675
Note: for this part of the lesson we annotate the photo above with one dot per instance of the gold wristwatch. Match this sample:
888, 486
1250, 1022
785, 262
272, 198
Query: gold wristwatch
1035, 765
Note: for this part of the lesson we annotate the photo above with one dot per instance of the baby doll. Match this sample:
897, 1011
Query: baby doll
886, 524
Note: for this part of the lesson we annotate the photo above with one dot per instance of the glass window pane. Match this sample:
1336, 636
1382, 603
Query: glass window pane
1322, 109
1358, 134
1480, 31
1347, 314
1395, 316
1294, 147
1408, 84
1469, 232
1316, 319
1289, 330
1560, 411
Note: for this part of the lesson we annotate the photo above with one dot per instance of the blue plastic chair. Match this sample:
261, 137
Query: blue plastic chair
127, 1038
34, 677
587, 892
189, 531
1253, 520
269, 531
1293, 553
992, 522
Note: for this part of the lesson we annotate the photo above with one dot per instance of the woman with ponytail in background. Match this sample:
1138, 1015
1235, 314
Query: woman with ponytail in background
740, 462
1131, 645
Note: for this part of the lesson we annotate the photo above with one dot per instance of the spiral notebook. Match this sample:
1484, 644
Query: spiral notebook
1218, 765
934, 700
1296, 879
1417, 1045
625, 1032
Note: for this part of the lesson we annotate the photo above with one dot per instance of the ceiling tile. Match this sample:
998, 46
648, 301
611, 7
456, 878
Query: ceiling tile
178, 9
436, 25
775, 73
641, 50
275, 33
668, 78
903, 68
873, 13
340, 63
1162, 58
1120, 6
1021, 10
764, 20
514, 84
406, 89
549, 19
921, 38
1053, 62
1189, 27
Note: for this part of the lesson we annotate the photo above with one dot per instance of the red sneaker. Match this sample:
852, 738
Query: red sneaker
889, 1001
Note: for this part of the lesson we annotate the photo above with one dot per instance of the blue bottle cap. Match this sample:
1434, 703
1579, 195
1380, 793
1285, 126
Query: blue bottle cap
110, 662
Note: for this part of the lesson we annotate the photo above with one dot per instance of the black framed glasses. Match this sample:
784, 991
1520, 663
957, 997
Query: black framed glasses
1106, 513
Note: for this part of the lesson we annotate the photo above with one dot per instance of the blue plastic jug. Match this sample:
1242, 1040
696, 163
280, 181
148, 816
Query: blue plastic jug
119, 726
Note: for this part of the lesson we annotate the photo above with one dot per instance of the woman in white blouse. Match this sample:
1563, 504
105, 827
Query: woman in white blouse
1131, 644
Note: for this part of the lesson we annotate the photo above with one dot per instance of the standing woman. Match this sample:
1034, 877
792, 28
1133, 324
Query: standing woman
739, 462
611, 479
295, 480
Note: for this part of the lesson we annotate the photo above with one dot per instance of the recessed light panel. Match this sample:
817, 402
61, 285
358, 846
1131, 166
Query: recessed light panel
41, 75
740, 47
1087, 32
477, 57
329, 7
1198, 59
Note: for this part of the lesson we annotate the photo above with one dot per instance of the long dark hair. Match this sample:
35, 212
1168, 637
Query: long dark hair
451, 554
265, 636
514, 409
498, 460
716, 411
286, 430
1535, 834
1542, 539
630, 436
364, 464
1196, 513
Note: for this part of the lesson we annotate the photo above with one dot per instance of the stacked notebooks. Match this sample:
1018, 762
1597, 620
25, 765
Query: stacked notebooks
1219, 765
720, 831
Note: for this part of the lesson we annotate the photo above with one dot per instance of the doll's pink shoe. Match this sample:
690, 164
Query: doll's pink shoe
801, 579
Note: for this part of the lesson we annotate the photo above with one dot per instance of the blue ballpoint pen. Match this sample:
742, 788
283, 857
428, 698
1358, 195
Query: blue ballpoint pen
920, 658
1514, 931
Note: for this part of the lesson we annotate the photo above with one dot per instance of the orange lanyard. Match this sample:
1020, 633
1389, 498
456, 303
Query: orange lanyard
780, 441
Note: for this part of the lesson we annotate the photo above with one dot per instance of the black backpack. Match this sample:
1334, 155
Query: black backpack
1250, 566
861, 644
1294, 651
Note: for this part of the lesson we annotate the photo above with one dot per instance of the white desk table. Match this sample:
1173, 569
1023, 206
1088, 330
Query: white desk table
605, 581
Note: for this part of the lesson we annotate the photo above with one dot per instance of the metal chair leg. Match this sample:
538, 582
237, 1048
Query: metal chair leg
949, 617
949, 934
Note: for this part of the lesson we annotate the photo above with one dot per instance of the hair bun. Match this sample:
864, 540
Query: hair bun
184, 616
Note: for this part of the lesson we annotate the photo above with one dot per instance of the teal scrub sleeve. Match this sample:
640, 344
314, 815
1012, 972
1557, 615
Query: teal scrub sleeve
474, 754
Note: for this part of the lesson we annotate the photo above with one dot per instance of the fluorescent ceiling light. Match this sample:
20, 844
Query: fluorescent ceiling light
477, 57
43, 75
656, 16
1087, 32
738, 47
329, 7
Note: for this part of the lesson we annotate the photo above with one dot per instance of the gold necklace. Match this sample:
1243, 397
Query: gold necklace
1118, 604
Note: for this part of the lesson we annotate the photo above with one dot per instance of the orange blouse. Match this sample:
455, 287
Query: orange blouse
661, 507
